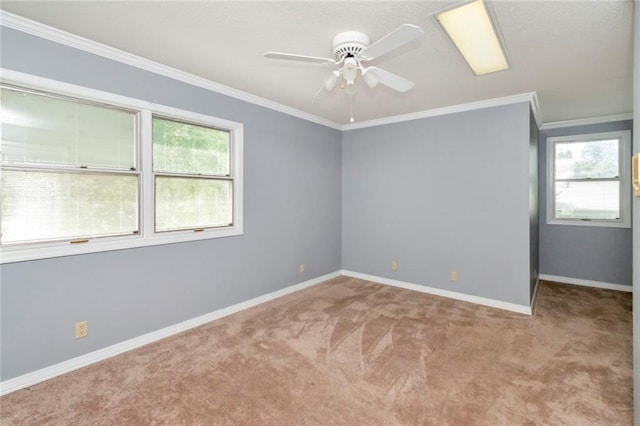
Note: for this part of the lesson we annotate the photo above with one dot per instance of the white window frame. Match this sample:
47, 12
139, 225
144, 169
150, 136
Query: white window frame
147, 235
228, 177
624, 154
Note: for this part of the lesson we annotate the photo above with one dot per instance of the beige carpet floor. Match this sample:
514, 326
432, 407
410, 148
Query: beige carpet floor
351, 352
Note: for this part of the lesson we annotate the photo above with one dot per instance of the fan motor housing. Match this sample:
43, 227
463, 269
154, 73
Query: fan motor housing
349, 43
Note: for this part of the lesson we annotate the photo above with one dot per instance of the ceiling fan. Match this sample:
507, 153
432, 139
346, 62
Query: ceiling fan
350, 50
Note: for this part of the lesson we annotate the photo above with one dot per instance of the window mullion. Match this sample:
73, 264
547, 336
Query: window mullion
611, 179
66, 169
193, 176
146, 155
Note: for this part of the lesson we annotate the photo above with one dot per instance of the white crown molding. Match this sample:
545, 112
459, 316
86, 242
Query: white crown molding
506, 100
585, 283
586, 121
535, 108
55, 35
64, 367
513, 307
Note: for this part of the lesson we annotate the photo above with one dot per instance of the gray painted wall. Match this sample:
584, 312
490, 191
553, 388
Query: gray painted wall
583, 252
534, 228
442, 194
292, 186
439, 194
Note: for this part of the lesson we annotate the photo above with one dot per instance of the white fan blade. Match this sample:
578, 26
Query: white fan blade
391, 80
391, 41
302, 58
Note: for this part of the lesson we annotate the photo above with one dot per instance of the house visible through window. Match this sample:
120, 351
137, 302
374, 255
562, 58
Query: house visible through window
588, 182
100, 172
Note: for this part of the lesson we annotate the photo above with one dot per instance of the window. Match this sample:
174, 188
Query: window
69, 169
588, 182
85, 171
193, 183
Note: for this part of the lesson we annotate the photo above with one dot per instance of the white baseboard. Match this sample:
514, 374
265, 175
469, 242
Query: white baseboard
52, 371
522, 309
586, 283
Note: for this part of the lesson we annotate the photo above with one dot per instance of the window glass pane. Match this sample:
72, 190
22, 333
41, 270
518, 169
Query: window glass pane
47, 130
52, 205
588, 200
187, 148
595, 159
187, 203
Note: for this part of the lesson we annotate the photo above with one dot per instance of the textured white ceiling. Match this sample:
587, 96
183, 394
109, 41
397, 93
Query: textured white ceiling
577, 55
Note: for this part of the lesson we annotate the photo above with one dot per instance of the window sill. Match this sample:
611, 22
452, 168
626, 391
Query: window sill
590, 223
46, 251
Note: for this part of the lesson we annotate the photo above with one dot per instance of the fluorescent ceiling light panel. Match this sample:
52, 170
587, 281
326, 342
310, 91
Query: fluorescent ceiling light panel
470, 28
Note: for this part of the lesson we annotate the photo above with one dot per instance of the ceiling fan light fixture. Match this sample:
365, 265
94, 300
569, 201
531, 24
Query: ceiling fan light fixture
350, 70
332, 81
350, 50
370, 78
470, 28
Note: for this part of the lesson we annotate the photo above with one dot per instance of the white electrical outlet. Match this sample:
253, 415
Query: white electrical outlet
302, 268
394, 265
454, 276
81, 329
